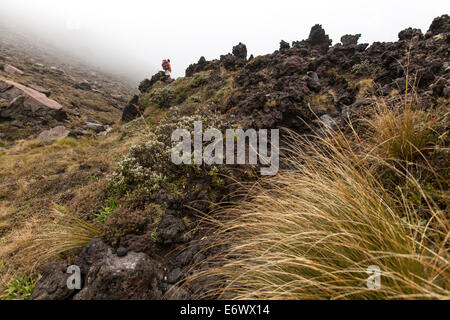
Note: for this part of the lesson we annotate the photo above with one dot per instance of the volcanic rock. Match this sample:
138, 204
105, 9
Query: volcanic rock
28, 102
350, 39
131, 277
131, 112
40, 89
12, 70
97, 127
53, 283
240, 51
54, 134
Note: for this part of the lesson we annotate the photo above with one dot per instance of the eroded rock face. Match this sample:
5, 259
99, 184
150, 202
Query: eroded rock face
317, 37
131, 111
28, 102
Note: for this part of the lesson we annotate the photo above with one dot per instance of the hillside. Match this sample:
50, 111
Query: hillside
86, 95
363, 179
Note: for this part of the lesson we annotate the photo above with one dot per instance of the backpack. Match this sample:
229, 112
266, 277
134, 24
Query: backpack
165, 65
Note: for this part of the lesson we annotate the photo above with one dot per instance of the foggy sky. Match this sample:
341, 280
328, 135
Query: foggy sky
133, 36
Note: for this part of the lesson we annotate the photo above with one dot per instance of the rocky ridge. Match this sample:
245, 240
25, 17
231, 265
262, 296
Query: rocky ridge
149, 242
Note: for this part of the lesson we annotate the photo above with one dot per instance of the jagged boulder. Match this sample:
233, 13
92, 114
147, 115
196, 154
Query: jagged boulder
105, 276
93, 252
12, 70
284, 45
170, 229
201, 65
110, 277
318, 38
350, 39
439, 25
147, 84
24, 101
240, 51
54, 134
131, 112
236, 59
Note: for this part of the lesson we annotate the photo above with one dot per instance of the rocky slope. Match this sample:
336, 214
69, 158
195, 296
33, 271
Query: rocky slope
35, 81
149, 237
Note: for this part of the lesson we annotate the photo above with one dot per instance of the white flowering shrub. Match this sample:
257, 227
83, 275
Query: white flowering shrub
148, 166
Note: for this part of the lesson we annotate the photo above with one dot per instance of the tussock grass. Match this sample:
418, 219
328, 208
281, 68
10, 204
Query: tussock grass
41, 241
67, 142
405, 134
312, 231
64, 234
32, 234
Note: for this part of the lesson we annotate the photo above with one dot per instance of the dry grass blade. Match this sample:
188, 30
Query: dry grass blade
312, 231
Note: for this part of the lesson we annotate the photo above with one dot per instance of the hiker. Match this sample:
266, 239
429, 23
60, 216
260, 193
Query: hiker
167, 68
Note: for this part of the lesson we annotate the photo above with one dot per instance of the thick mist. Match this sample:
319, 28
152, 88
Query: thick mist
131, 37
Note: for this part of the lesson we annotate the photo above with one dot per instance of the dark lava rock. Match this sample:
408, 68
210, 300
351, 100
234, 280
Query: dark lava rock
317, 37
284, 45
240, 51
138, 243
17, 124
122, 252
229, 62
350, 39
178, 293
131, 112
53, 283
235, 60
439, 25
92, 253
201, 65
409, 34
147, 84
170, 229
313, 82
97, 127
174, 276
83, 85
355, 108
84, 166
132, 277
